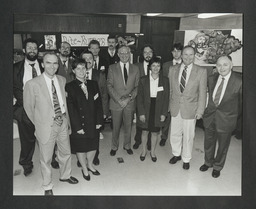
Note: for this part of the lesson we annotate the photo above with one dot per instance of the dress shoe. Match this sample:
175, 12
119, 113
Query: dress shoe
215, 173
136, 145
96, 173
48, 192
204, 167
71, 180
79, 164
55, 164
142, 158
113, 152
174, 159
129, 151
154, 159
87, 178
96, 161
27, 171
162, 142
186, 166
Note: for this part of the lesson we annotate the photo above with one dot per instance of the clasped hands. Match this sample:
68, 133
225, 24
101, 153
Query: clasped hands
124, 100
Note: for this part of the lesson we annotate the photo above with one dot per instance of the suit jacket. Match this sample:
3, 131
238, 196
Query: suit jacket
141, 68
143, 100
117, 88
38, 105
84, 114
99, 77
166, 67
193, 99
18, 74
226, 113
110, 60
61, 71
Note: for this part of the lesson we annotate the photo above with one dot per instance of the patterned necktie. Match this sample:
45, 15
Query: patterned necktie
84, 88
56, 103
34, 73
125, 74
95, 65
65, 66
183, 79
218, 93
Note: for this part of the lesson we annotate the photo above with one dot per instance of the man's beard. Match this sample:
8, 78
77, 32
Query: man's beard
31, 57
65, 54
147, 59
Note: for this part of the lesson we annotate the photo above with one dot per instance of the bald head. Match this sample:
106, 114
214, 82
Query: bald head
224, 65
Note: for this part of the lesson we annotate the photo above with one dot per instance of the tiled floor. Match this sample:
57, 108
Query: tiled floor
134, 177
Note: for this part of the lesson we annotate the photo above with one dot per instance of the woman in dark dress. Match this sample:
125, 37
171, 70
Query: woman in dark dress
152, 104
86, 117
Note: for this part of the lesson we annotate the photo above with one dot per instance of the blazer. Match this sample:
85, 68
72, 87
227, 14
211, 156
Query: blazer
38, 105
226, 113
99, 77
69, 74
193, 99
18, 74
117, 88
84, 114
141, 68
166, 67
143, 100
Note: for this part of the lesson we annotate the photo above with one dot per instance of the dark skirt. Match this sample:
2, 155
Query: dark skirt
81, 143
151, 119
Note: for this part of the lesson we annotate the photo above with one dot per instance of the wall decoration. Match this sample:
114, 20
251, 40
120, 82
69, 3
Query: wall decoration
50, 42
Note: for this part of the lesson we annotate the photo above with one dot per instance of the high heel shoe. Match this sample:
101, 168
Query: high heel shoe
96, 173
86, 177
142, 158
154, 159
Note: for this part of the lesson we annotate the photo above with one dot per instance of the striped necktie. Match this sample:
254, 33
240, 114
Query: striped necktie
56, 103
218, 93
84, 88
183, 79
65, 66
34, 73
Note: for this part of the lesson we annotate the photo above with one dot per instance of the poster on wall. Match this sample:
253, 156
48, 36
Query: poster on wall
50, 42
211, 44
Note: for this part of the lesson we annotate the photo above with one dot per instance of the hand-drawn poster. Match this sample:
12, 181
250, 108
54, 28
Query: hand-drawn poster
50, 42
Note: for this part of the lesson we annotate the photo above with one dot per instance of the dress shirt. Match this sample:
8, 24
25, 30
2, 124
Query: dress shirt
175, 62
97, 62
111, 53
57, 87
66, 63
224, 86
122, 69
89, 74
28, 70
153, 86
188, 71
145, 67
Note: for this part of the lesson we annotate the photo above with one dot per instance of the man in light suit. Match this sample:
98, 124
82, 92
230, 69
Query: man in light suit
122, 84
65, 63
147, 53
45, 104
176, 54
220, 116
188, 86
23, 71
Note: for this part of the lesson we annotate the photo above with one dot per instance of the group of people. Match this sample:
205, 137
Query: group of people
63, 103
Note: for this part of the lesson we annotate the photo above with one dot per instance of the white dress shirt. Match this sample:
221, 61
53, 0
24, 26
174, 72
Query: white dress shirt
145, 67
28, 71
111, 53
89, 74
175, 62
188, 71
57, 87
122, 69
224, 86
153, 86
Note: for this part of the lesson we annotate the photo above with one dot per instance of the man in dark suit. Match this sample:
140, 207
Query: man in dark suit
65, 63
176, 54
220, 117
99, 77
24, 71
147, 53
99, 62
122, 84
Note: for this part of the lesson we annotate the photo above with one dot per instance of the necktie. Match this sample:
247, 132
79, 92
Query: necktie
65, 66
34, 73
125, 74
84, 88
87, 75
183, 79
218, 93
56, 104
95, 65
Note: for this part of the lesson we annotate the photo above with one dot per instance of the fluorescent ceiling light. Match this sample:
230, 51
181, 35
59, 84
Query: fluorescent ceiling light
209, 15
153, 14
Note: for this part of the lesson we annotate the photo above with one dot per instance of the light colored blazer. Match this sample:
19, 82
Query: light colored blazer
117, 88
38, 105
193, 99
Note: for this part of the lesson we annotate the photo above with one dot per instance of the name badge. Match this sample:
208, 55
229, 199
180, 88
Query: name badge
160, 88
96, 96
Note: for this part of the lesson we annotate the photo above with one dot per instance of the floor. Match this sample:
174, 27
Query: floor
134, 177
